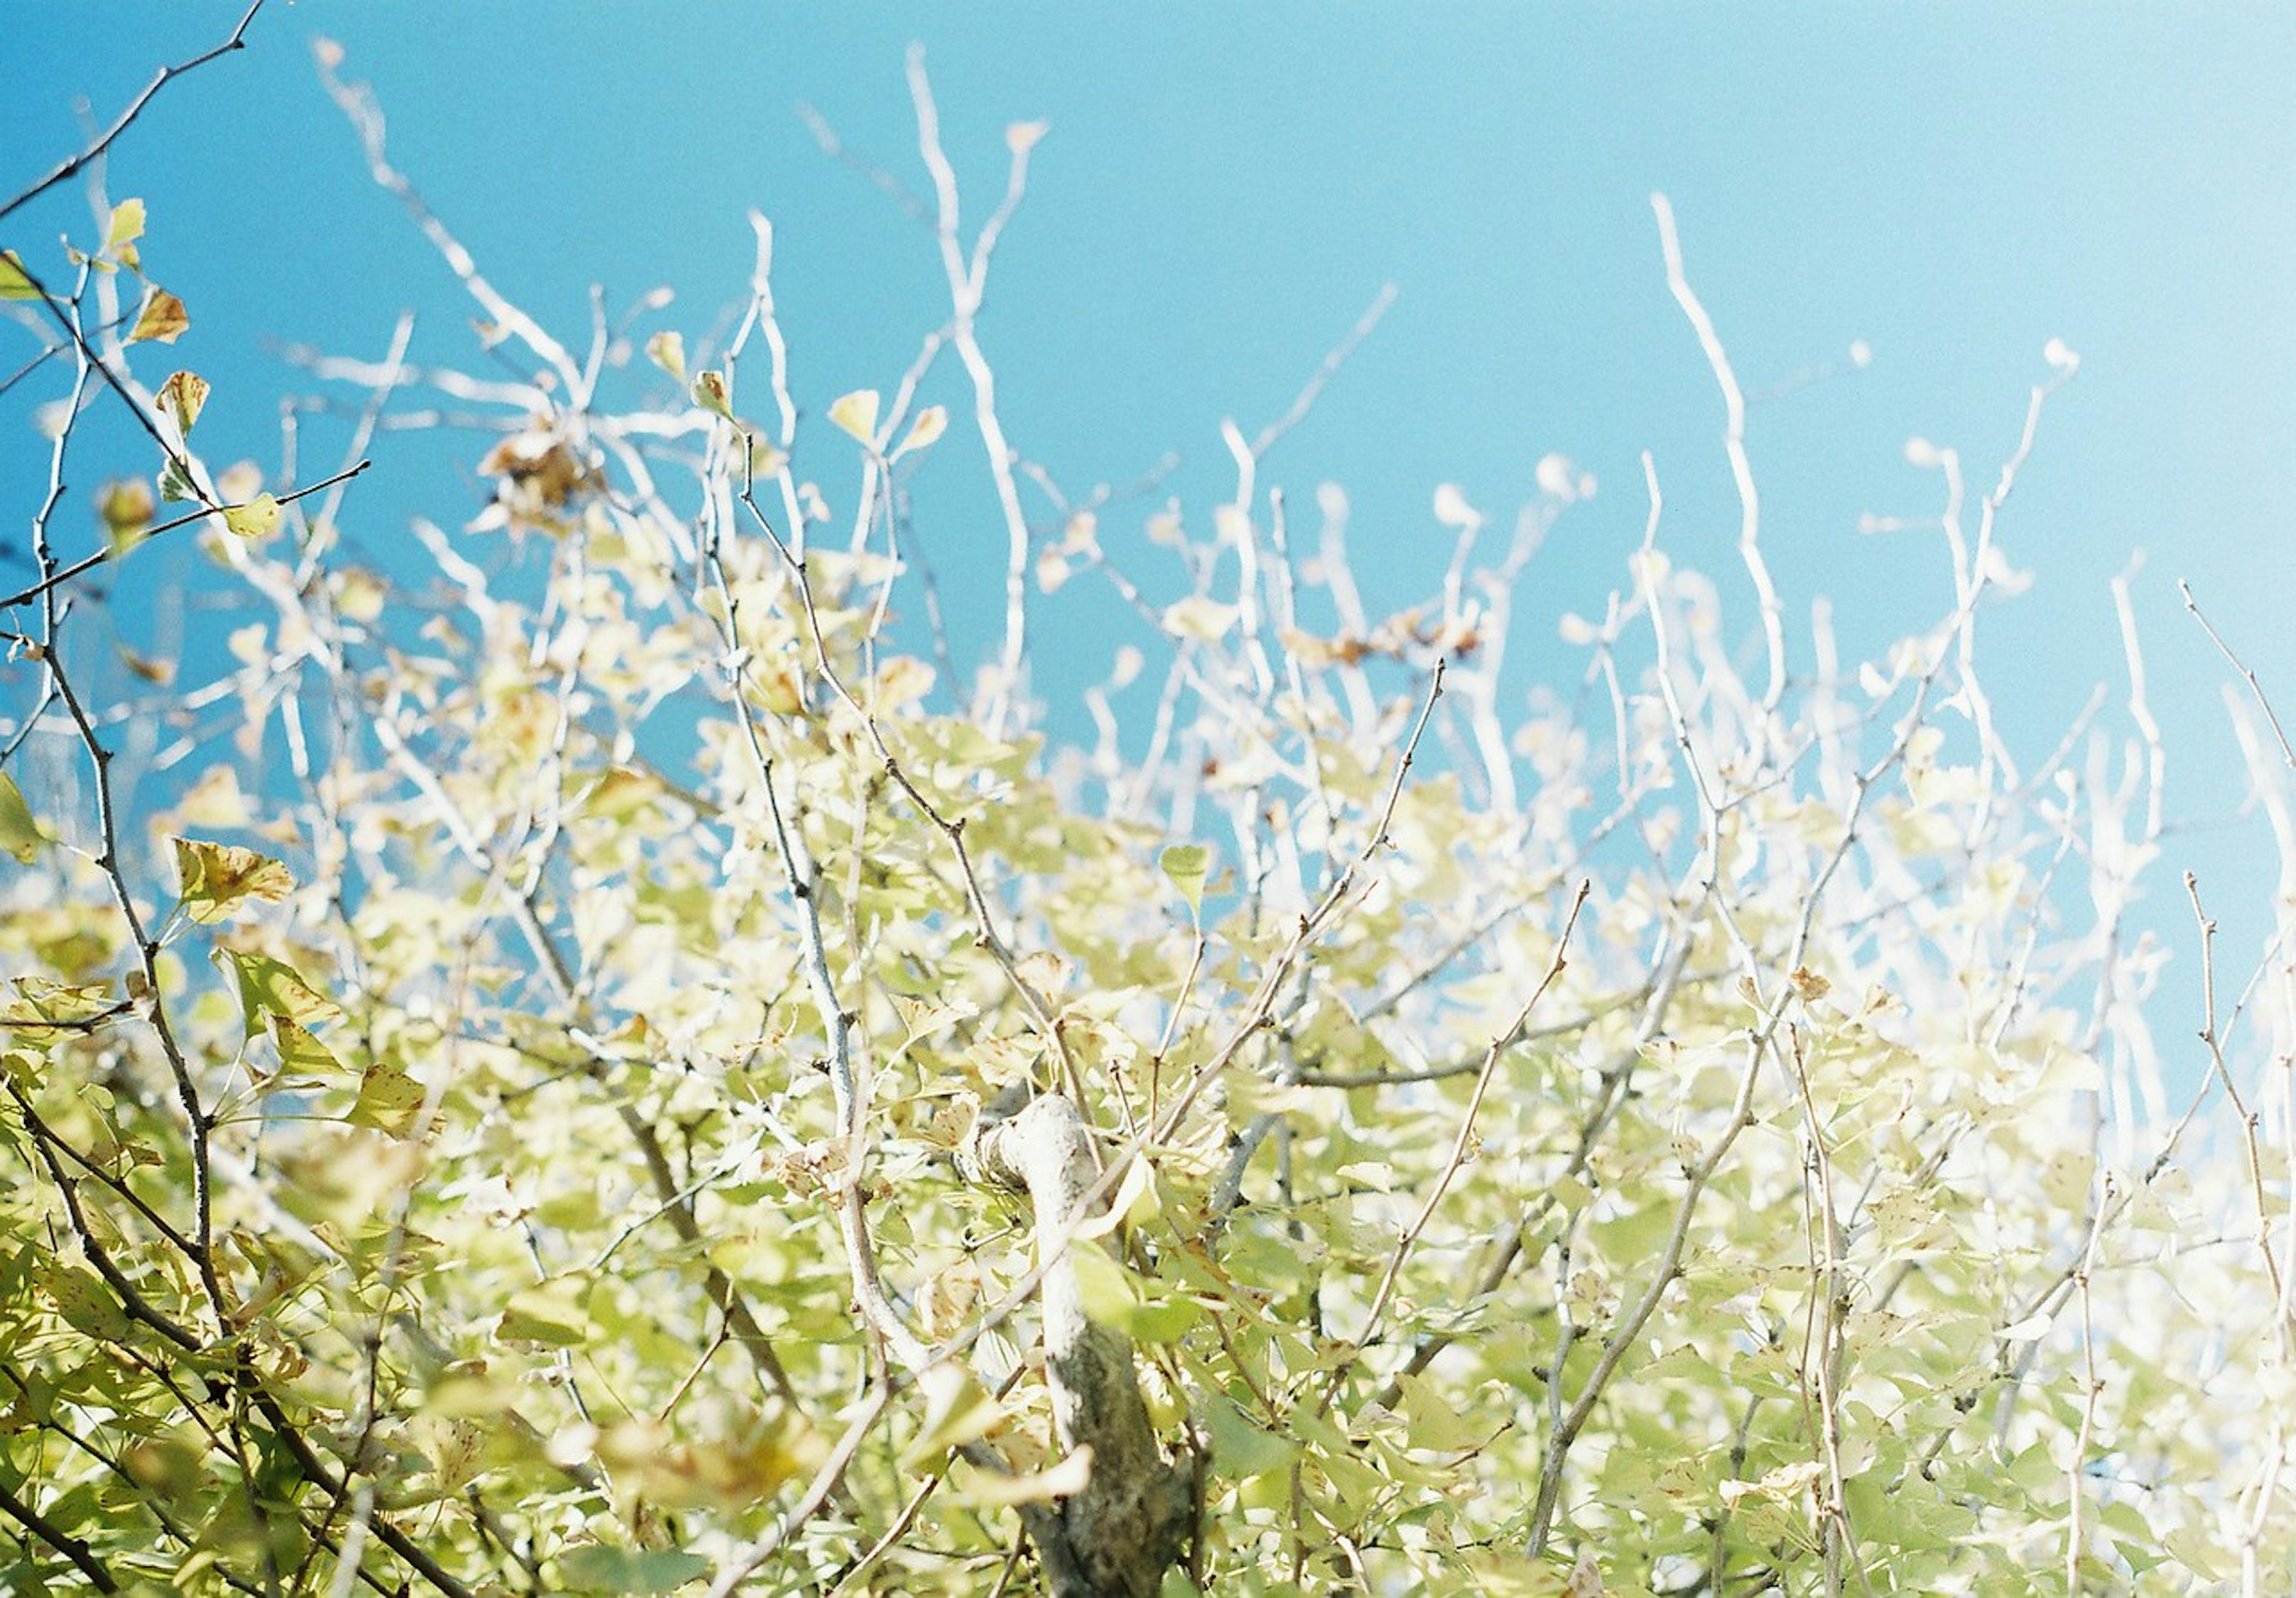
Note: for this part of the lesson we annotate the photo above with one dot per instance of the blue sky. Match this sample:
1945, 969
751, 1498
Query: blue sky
1224, 189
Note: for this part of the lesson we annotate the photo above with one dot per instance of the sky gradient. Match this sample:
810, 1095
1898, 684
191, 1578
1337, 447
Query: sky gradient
1225, 190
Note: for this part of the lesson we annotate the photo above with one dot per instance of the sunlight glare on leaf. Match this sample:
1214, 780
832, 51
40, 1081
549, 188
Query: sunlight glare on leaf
931, 424
255, 518
856, 413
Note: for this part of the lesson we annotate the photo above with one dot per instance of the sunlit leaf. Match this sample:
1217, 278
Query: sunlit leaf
389, 1100
667, 350
960, 1411
856, 413
126, 227
269, 987
255, 518
971, 1485
16, 283
20, 833
553, 1313
164, 319
216, 877
301, 1055
712, 394
1187, 865
47, 1011
931, 422
174, 485
182, 398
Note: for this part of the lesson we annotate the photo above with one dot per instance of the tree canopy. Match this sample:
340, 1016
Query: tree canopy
640, 1067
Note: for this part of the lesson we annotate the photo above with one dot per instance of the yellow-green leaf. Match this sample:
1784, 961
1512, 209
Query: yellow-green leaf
83, 1300
552, 1312
302, 1054
182, 398
597, 1568
272, 988
389, 1100
667, 350
1186, 863
47, 1011
126, 227
856, 413
255, 518
164, 319
16, 283
216, 876
20, 833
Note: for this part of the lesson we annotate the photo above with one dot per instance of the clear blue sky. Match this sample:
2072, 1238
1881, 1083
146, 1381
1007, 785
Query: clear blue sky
1226, 188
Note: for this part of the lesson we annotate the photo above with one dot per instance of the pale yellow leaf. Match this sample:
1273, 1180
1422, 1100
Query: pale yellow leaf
856, 413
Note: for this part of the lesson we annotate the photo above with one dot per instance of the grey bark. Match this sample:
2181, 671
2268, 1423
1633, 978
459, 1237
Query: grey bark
1117, 1537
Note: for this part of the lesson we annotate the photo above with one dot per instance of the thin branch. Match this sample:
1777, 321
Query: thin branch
120, 124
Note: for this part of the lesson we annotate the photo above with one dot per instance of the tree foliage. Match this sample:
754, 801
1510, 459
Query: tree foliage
628, 1072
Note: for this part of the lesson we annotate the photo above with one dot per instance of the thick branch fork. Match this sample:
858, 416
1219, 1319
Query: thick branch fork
1115, 1538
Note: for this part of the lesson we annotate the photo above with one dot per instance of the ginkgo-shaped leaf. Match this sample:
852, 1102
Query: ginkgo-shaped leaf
20, 833
182, 398
47, 1011
176, 484
164, 319
856, 413
255, 518
126, 227
667, 350
389, 1100
712, 394
301, 1055
931, 422
216, 876
1187, 865
271, 988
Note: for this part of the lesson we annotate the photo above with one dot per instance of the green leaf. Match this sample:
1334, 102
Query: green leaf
16, 283
272, 987
961, 1411
1241, 1449
302, 1054
598, 1569
175, 485
1188, 863
47, 1011
82, 1298
20, 833
554, 1314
